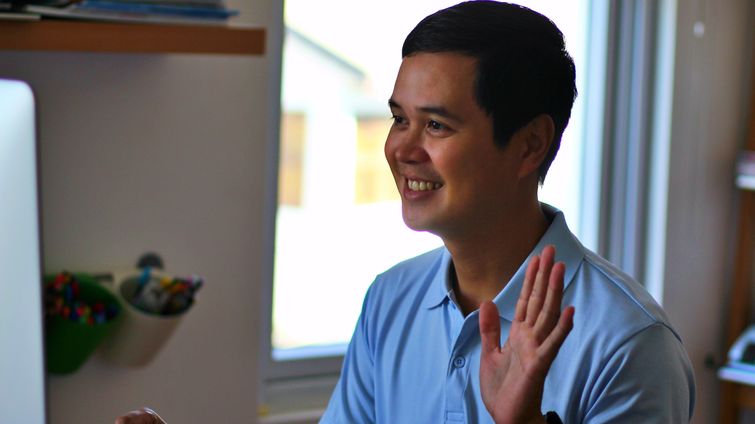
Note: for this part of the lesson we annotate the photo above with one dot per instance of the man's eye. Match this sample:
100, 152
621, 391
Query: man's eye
435, 125
397, 120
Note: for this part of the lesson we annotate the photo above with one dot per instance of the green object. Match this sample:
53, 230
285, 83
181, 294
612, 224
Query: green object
70, 343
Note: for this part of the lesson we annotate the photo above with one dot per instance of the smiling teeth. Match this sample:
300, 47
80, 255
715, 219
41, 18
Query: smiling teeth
423, 185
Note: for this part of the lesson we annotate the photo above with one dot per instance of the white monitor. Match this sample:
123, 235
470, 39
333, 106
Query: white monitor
22, 370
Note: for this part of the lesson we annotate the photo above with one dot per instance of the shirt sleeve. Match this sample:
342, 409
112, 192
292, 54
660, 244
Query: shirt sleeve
648, 379
353, 400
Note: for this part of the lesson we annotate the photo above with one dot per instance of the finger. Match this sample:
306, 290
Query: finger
490, 328
524, 295
552, 306
550, 346
535, 302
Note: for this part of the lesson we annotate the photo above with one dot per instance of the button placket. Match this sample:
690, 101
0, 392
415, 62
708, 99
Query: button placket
456, 378
459, 362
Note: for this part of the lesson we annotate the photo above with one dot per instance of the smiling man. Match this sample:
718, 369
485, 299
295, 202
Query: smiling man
480, 102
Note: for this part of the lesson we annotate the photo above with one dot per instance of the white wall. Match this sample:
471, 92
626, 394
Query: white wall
159, 153
711, 95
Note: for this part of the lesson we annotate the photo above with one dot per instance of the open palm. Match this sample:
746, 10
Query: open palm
512, 377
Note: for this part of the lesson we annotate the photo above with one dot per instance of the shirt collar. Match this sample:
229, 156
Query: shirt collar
568, 250
440, 289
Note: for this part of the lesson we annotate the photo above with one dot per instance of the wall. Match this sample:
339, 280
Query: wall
711, 91
159, 153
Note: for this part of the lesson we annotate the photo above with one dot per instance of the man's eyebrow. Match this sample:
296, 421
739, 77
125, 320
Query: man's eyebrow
437, 110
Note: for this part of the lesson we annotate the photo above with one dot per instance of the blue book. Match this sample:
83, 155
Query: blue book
156, 9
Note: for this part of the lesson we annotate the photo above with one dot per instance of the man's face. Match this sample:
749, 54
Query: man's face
452, 178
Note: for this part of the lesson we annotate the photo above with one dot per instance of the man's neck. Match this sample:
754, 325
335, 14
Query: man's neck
483, 265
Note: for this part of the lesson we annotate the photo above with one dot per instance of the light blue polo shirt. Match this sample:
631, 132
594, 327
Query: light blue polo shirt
414, 358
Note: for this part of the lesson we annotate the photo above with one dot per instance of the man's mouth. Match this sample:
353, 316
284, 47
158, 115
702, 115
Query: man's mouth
417, 185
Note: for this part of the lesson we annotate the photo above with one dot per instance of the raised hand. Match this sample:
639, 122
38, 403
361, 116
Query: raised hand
512, 377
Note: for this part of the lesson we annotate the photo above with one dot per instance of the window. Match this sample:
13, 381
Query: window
338, 221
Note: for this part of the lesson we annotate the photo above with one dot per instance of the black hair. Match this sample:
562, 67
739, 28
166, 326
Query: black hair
523, 68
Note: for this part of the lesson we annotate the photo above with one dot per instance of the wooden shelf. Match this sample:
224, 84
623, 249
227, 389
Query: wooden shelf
78, 36
734, 397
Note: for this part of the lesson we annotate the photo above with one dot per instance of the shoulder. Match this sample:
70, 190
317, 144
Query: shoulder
625, 344
398, 292
615, 299
410, 276
615, 315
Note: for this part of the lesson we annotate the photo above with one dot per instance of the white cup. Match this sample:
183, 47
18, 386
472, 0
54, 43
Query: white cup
139, 335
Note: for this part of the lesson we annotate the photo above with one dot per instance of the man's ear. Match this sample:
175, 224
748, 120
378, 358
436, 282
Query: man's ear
536, 138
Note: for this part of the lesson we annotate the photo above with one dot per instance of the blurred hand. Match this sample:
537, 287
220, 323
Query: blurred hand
140, 416
512, 377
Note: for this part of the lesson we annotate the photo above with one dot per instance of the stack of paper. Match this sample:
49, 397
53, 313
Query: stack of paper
211, 12
738, 371
741, 365
12, 11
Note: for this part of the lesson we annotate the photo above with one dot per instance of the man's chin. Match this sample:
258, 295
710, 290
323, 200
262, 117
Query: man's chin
419, 225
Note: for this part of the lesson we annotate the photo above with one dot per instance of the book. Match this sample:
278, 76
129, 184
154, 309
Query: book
11, 11
18, 16
142, 9
73, 11
197, 3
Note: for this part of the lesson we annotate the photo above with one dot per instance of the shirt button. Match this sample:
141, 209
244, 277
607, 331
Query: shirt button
459, 361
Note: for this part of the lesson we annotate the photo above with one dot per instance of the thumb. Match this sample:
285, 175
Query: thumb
490, 328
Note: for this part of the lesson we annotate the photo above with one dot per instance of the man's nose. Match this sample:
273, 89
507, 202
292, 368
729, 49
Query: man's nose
411, 147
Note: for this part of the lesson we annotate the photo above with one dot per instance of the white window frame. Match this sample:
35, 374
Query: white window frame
302, 382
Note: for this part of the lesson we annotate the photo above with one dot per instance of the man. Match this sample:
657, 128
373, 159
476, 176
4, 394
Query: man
482, 97
481, 100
